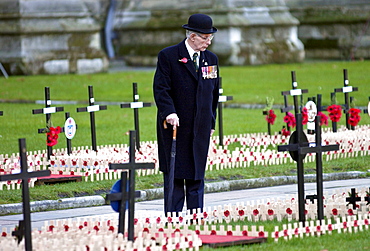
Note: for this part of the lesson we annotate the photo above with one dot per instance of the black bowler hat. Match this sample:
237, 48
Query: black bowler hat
200, 23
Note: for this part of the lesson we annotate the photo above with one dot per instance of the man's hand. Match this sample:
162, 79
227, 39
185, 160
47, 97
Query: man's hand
173, 120
212, 131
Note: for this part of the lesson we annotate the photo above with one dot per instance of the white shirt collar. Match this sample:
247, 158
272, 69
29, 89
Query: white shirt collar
191, 51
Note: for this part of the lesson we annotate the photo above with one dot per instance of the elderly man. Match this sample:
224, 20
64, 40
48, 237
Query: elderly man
186, 86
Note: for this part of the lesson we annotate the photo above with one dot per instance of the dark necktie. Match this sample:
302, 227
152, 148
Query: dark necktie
195, 56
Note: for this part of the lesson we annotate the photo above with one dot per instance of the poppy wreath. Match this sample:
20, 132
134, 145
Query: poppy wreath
323, 118
335, 112
354, 116
290, 119
52, 136
270, 117
285, 132
304, 116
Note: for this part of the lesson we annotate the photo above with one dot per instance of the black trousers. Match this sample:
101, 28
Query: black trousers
191, 190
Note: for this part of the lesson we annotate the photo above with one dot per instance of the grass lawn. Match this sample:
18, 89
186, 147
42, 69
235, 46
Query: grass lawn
247, 84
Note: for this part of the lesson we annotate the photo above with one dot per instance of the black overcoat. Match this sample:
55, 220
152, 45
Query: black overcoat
193, 96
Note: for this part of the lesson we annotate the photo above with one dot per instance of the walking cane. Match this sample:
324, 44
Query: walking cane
171, 175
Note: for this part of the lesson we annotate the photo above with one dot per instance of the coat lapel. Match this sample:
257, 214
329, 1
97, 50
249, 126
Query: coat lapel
183, 53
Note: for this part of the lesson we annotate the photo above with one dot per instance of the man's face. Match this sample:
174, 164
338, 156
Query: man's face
200, 42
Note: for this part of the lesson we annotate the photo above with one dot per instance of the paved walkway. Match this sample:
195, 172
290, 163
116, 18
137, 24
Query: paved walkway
155, 207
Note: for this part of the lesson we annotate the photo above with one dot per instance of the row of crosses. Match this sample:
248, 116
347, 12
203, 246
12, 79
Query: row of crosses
92, 108
346, 90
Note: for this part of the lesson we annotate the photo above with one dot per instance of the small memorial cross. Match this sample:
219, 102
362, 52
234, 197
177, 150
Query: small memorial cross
132, 166
346, 90
221, 99
24, 228
318, 149
353, 198
48, 110
136, 105
92, 108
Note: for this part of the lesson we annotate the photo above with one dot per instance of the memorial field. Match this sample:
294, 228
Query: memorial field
249, 86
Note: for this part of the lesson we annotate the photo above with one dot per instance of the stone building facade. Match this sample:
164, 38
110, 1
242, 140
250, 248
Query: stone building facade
333, 29
81, 36
52, 37
250, 32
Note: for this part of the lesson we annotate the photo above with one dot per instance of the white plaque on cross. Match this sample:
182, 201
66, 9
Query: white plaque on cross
70, 128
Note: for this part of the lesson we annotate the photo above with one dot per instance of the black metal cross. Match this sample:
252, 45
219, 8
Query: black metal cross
132, 166
48, 110
298, 140
346, 90
122, 199
136, 105
266, 112
24, 228
318, 149
92, 108
353, 198
286, 108
221, 99
268, 124
367, 197
295, 92
69, 141
311, 197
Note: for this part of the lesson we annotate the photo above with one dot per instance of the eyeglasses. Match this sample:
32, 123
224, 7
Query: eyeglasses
206, 38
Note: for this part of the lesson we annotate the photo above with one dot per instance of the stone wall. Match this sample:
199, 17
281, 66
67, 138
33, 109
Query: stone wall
65, 36
333, 29
52, 37
250, 31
